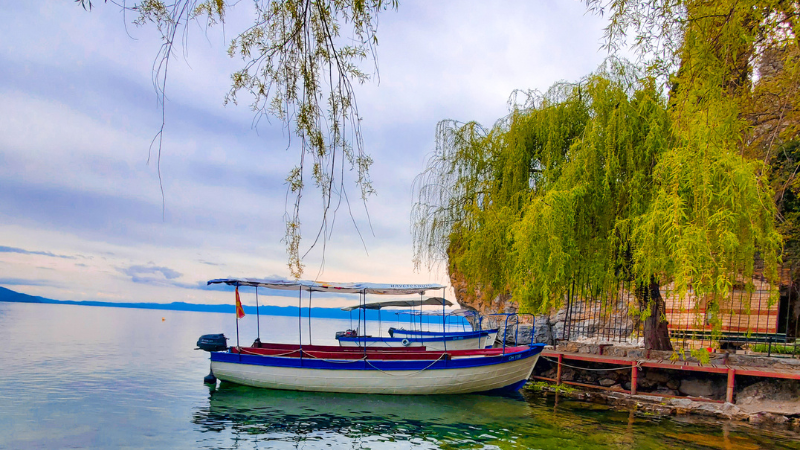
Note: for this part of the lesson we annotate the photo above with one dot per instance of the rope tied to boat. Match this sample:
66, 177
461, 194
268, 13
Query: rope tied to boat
248, 352
638, 366
442, 356
335, 361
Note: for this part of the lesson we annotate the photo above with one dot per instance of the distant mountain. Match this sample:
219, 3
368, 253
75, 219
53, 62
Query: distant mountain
7, 295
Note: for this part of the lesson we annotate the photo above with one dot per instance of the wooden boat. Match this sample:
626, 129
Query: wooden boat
399, 337
380, 370
433, 340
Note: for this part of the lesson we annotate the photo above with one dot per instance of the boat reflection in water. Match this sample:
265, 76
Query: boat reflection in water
342, 419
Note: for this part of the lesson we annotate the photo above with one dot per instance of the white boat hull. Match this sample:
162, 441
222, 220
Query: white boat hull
407, 382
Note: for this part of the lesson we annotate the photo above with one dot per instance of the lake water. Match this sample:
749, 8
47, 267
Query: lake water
91, 377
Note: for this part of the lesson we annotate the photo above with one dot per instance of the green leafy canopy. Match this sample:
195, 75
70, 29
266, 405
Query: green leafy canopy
591, 181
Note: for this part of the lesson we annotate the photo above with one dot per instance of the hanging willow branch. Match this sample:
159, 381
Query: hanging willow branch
301, 59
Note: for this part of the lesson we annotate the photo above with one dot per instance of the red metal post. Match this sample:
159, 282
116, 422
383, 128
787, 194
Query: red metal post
729, 394
558, 371
634, 377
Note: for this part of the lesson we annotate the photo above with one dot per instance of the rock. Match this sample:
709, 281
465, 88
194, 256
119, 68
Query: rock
681, 402
542, 332
777, 396
558, 330
732, 411
706, 409
571, 347
697, 388
665, 391
607, 382
786, 390
657, 377
646, 384
636, 353
673, 384
768, 418
660, 354
615, 351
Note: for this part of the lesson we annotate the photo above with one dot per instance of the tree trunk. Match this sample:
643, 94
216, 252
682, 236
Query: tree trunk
656, 333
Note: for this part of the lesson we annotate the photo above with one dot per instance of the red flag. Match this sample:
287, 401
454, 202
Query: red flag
239, 309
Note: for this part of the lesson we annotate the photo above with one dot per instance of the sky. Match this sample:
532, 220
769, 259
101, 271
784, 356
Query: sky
81, 207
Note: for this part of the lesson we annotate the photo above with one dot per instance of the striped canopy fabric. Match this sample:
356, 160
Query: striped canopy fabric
322, 286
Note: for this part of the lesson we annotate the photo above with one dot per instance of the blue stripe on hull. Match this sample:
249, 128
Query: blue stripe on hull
439, 333
417, 337
390, 365
510, 388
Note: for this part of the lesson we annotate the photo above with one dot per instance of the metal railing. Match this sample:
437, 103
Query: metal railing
745, 319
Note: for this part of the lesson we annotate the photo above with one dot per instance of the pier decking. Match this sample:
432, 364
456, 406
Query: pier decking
731, 368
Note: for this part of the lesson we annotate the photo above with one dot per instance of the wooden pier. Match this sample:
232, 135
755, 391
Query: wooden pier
561, 359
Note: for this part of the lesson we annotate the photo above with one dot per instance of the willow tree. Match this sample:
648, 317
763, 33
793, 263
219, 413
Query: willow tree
561, 180
732, 67
658, 191
590, 183
300, 59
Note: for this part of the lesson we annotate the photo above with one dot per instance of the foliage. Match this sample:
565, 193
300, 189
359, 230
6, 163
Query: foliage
778, 349
733, 71
299, 67
592, 182
609, 180
542, 386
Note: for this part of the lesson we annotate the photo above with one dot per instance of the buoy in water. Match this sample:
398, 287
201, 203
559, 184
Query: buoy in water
210, 378
162, 319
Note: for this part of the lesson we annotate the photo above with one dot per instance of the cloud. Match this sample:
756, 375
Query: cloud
155, 275
79, 113
164, 277
4, 249
24, 282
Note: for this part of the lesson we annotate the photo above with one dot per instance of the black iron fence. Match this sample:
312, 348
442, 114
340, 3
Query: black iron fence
747, 319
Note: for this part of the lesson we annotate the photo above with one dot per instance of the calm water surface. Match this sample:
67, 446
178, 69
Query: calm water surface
77, 377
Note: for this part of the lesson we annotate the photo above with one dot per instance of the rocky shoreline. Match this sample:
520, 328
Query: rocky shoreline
756, 413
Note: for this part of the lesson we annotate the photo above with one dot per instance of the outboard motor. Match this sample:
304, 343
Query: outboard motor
348, 333
212, 342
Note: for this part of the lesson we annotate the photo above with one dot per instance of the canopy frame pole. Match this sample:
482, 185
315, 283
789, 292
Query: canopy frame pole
309, 316
238, 347
299, 319
258, 320
359, 331
364, 340
444, 322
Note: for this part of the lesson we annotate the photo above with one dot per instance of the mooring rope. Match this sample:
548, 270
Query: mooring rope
243, 350
363, 358
443, 355
638, 366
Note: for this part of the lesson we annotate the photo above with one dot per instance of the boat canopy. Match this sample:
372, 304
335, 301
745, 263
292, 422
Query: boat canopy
455, 312
322, 286
432, 301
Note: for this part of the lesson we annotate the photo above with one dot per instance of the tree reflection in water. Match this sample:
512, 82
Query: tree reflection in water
238, 414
